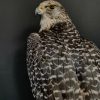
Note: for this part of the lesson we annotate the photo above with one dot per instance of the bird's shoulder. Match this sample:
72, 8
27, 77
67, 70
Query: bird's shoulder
33, 36
33, 41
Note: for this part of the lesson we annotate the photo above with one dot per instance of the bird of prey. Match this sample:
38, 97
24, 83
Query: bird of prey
61, 64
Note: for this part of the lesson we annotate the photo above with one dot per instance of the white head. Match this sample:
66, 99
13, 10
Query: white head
51, 12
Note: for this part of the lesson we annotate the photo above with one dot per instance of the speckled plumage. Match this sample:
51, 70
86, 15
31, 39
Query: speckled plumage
62, 65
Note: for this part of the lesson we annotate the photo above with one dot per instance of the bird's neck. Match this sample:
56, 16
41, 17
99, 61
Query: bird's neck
62, 25
60, 32
48, 21
65, 27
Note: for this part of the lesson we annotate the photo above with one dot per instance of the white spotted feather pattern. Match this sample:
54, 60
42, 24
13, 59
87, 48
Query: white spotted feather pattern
62, 65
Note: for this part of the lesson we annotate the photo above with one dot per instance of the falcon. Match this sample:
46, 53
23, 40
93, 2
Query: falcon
61, 64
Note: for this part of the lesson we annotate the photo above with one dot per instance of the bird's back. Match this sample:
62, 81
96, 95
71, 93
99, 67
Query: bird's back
66, 66
58, 73
73, 60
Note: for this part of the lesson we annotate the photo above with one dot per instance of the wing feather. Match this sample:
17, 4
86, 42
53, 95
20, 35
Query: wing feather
33, 59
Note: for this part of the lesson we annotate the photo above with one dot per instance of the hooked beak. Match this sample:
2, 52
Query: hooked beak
37, 11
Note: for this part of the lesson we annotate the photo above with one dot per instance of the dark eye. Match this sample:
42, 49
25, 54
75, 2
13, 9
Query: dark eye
46, 6
52, 6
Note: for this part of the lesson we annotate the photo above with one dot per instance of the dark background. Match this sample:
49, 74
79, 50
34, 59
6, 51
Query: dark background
17, 21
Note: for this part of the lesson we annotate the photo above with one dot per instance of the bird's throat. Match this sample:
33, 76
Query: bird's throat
47, 22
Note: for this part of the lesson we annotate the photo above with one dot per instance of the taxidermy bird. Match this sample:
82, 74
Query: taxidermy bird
62, 65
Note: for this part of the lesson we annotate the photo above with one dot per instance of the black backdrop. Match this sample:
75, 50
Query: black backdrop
17, 21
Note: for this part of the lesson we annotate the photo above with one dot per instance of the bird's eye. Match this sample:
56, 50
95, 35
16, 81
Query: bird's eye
46, 6
52, 6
